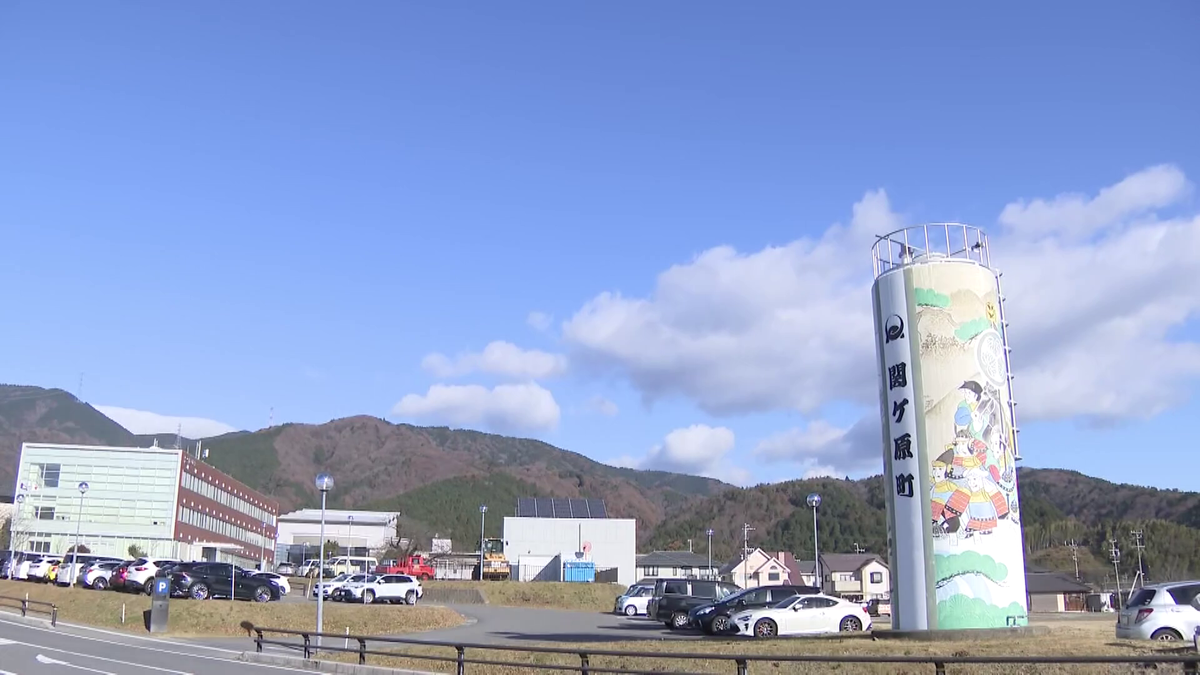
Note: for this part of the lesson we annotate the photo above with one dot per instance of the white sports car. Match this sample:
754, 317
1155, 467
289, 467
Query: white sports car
803, 615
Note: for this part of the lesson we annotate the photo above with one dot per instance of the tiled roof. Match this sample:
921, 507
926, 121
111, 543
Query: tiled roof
847, 562
1051, 582
672, 559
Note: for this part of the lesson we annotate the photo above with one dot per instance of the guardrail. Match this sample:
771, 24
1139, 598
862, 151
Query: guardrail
26, 606
741, 662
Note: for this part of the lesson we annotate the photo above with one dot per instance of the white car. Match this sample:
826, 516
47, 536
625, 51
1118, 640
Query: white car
75, 571
633, 602
277, 579
803, 615
40, 567
142, 570
1167, 612
388, 588
97, 574
327, 587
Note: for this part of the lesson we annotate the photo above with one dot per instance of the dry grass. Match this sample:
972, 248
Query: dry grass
1067, 638
211, 618
544, 594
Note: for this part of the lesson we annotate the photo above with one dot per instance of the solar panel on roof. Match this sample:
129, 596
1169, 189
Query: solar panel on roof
579, 509
562, 508
526, 507
544, 507
597, 508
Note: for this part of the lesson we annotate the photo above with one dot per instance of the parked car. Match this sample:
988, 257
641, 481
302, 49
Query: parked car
327, 587
803, 615
141, 571
388, 588
633, 602
39, 568
116, 580
97, 575
204, 580
674, 598
714, 618
277, 579
73, 571
286, 569
877, 607
1167, 612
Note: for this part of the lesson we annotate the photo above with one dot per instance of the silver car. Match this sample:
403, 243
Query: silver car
1167, 612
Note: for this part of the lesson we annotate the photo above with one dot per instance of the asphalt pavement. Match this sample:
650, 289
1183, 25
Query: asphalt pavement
32, 649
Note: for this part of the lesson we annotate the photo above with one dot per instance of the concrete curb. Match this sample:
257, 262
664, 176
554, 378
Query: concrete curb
319, 666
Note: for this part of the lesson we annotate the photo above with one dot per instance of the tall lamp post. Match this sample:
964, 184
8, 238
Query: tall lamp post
814, 500
262, 549
709, 534
482, 522
83, 488
324, 484
18, 501
350, 536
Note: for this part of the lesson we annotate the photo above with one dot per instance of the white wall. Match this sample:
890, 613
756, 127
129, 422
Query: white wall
359, 535
614, 541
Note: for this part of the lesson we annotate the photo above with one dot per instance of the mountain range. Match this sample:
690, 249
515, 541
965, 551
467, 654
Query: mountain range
437, 477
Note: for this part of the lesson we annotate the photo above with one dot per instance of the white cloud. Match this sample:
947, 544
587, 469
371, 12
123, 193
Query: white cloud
698, 450
1097, 290
506, 407
145, 422
498, 358
540, 321
602, 406
821, 449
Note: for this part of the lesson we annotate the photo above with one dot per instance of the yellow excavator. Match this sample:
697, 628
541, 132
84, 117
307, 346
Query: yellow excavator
495, 565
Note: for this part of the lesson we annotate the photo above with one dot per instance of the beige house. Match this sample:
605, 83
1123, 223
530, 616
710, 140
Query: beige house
855, 576
761, 568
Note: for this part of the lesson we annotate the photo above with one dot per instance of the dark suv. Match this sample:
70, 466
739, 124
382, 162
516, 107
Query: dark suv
713, 617
204, 580
674, 598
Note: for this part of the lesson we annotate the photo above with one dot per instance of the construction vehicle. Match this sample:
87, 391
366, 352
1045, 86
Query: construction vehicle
413, 566
495, 565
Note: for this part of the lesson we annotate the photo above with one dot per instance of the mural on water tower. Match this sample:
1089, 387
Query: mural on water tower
979, 567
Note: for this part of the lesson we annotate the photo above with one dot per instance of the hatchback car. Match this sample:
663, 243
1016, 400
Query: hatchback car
1166, 612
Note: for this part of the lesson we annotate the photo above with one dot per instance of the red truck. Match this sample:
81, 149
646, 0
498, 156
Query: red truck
413, 565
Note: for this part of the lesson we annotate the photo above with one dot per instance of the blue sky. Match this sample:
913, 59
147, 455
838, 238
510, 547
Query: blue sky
215, 210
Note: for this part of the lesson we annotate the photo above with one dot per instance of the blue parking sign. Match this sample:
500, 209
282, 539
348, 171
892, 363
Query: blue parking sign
161, 586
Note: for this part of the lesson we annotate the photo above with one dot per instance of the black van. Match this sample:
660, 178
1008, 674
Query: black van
674, 598
713, 617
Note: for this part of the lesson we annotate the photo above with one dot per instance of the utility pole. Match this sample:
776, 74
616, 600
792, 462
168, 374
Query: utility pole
1139, 579
859, 549
746, 530
1074, 557
1114, 554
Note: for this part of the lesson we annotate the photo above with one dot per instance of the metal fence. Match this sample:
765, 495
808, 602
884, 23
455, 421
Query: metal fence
311, 643
25, 605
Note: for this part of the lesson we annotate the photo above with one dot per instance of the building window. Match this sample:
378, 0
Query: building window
877, 577
48, 474
651, 571
773, 576
43, 512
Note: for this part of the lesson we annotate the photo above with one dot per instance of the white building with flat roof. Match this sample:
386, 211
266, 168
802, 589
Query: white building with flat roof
361, 533
545, 530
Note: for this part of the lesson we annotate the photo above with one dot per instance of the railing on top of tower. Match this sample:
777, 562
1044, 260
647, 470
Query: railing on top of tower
919, 243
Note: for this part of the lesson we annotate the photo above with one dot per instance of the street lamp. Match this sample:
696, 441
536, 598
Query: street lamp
709, 533
83, 488
324, 484
262, 549
482, 522
12, 536
814, 500
350, 536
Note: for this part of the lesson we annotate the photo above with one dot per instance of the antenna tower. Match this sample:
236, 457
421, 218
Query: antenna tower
1139, 579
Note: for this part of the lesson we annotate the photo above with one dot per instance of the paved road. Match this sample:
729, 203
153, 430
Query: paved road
36, 650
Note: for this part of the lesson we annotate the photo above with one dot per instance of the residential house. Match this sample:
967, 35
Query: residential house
673, 564
855, 576
1048, 591
761, 568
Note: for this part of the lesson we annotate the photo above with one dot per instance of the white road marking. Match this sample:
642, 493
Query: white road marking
104, 658
55, 662
5, 642
152, 649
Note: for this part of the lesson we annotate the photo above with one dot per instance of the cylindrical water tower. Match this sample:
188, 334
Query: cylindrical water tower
949, 432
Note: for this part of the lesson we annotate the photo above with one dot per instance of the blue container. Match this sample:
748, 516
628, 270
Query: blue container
579, 572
